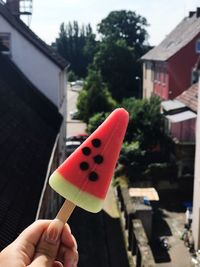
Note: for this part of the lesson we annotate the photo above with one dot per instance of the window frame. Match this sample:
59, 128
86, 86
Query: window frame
197, 46
6, 41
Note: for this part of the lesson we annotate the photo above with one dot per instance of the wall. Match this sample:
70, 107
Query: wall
161, 80
147, 79
184, 131
180, 69
42, 72
196, 200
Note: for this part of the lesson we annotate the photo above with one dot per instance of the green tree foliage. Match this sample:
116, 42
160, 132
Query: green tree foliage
126, 25
77, 45
123, 43
145, 124
94, 97
95, 121
118, 67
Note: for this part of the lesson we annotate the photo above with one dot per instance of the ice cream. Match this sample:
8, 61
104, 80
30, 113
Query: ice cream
84, 177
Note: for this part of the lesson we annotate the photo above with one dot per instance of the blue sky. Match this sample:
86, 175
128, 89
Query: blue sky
162, 15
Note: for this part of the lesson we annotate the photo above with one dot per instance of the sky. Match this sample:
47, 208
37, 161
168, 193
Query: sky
162, 15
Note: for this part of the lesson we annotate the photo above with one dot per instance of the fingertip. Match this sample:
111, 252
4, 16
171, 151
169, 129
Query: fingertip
57, 264
71, 258
67, 238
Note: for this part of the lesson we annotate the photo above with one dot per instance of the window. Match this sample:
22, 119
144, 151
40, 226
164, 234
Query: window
152, 72
5, 43
164, 77
198, 46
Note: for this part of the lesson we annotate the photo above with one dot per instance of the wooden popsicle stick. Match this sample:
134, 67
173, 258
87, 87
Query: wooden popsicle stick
65, 211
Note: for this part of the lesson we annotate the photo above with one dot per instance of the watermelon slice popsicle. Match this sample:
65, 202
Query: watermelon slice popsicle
84, 177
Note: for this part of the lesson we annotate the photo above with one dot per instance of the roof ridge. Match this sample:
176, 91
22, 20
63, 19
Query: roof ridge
184, 32
21, 27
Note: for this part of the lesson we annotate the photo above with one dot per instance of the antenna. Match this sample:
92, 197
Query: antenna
25, 9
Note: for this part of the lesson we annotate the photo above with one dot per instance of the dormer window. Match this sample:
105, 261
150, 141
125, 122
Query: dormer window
5, 47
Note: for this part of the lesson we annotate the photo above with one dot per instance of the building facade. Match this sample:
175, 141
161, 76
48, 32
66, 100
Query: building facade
168, 67
38, 62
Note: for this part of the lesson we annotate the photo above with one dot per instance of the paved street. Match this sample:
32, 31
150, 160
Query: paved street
73, 126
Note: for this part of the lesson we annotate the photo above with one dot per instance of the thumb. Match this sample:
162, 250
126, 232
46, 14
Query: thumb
47, 248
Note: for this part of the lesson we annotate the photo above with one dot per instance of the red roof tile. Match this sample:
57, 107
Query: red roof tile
190, 97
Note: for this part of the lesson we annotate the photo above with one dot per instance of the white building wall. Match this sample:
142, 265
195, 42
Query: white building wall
41, 71
196, 190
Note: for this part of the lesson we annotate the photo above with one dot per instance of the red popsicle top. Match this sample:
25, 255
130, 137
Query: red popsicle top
92, 165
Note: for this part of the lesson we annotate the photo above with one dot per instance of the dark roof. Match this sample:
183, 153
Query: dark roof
185, 32
190, 97
22, 28
29, 124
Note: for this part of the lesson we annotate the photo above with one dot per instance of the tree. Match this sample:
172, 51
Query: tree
126, 25
145, 124
77, 45
94, 97
118, 66
95, 121
117, 59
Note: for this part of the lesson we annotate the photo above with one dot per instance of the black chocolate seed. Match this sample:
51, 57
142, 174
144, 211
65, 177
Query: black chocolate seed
96, 142
98, 159
84, 166
86, 151
93, 176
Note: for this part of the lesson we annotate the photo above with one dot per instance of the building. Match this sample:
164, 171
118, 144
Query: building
30, 126
32, 123
180, 125
168, 67
38, 62
196, 188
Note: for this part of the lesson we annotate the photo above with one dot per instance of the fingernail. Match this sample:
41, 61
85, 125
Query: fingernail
52, 235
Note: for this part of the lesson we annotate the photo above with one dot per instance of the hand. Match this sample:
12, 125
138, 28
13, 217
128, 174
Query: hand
45, 243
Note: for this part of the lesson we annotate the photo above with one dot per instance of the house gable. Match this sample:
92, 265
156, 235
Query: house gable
24, 30
38, 62
183, 33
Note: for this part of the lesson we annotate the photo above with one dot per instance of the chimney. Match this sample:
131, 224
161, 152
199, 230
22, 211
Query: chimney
198, 12
191, 13
13, 6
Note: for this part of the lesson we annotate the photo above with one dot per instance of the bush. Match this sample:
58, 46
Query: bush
95, 121
145, 124
130, 153
138, 164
